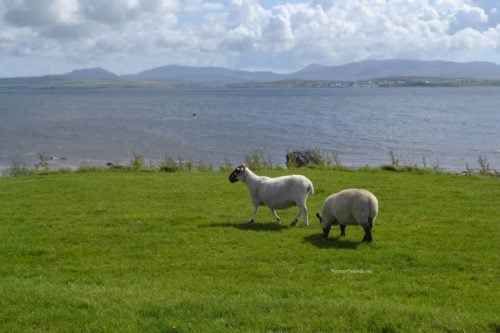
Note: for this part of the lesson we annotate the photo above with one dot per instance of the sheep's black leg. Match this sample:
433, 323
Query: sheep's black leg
368, 233
342, 230
326, 231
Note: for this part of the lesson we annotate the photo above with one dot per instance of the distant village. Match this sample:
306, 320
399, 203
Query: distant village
375, 83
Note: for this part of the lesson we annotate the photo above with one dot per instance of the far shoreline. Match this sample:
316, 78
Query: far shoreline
139, 163
33, 84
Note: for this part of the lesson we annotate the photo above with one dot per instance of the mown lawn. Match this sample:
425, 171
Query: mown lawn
114, 251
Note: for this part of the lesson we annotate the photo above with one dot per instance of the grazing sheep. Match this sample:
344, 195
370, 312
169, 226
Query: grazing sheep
349, 207
275, 193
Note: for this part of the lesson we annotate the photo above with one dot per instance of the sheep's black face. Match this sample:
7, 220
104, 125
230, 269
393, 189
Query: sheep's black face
326, 230
233, 178
236, 174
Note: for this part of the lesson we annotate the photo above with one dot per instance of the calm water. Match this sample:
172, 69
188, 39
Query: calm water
449, 127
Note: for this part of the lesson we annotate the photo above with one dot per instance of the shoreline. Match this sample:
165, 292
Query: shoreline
169, 164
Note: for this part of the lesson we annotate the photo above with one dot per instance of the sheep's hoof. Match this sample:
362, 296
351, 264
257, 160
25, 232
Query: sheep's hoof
251, 221
278, 221
367, 239
294, 222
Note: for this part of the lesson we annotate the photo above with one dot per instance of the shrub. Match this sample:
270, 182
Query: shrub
43, 162
184, 165
169, 164
434, 167
394, 159
256, 160
137, 162
18, 169
484, 166
226, 165
329, 159
204, 167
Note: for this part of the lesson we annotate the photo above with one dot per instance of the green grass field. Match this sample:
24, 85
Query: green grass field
115, 251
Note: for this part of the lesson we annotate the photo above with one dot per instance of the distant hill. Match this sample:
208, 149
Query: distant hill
60, 79
91, 73
203, 74
309, 69
175, 75
374, 69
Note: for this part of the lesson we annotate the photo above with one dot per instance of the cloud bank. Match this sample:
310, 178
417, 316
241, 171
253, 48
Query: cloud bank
126, 36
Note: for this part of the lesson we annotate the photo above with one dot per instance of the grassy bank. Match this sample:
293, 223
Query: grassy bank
116, 251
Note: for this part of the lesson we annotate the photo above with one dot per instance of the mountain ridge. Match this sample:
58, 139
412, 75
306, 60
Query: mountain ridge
203, 74
376, 69
92, 73
354, 71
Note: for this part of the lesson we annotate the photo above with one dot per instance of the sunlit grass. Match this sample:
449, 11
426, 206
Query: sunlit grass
130, 251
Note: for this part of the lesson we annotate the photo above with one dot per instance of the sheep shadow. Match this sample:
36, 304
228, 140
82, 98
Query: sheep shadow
331, 242
258, 227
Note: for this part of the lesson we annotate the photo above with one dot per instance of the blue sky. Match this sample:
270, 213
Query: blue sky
40, 37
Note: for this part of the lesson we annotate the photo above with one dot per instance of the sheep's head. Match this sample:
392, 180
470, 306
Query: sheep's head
326, 229
237, 174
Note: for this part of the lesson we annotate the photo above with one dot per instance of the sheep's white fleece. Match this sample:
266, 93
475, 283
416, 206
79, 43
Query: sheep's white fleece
348, 207
277, 193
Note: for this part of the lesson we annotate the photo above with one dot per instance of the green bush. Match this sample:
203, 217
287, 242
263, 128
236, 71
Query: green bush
137, 162
226, 165
18, 169
257, 161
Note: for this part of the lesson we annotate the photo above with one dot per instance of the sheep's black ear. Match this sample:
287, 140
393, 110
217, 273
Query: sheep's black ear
319, 217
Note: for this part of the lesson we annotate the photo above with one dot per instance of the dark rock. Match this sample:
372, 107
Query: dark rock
302, 158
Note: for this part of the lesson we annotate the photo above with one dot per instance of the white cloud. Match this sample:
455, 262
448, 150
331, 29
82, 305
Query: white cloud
242, 33
468, 17
66, 11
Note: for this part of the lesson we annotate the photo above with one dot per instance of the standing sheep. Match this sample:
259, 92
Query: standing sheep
275, 193
349, 207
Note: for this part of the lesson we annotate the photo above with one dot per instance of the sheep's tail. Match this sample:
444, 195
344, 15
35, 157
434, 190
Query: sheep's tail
310, 187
